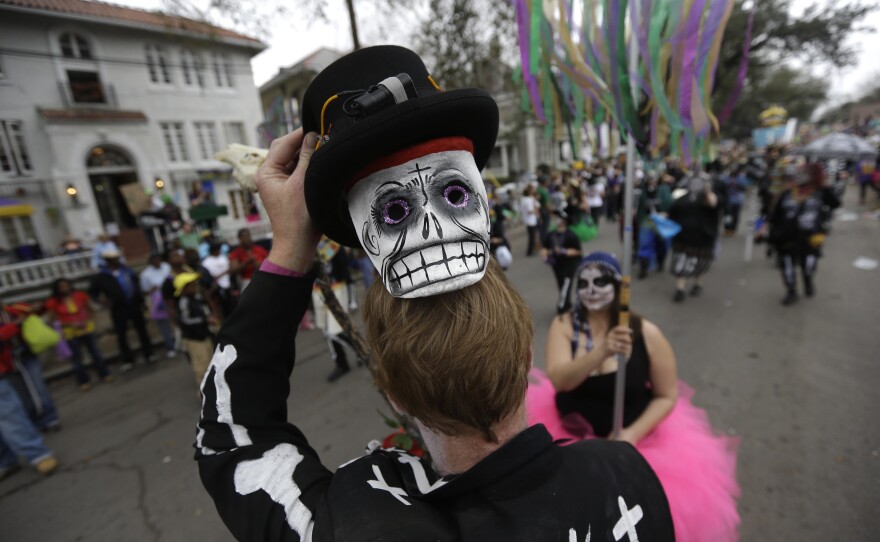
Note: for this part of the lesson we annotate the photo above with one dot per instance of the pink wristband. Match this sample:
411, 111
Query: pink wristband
275, 269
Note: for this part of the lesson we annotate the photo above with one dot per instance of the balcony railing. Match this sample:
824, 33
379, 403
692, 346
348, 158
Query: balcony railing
259, 230
38, 273
88, 95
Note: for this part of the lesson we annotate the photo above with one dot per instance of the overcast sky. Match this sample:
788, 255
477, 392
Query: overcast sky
290, 41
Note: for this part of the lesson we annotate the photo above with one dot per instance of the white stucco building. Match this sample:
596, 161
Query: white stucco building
94, 97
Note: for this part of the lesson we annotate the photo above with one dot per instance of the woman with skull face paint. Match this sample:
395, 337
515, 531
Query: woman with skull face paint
574, 400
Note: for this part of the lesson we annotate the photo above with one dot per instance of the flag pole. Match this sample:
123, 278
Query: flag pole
620, 379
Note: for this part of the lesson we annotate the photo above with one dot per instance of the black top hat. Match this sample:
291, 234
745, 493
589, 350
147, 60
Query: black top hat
367, 121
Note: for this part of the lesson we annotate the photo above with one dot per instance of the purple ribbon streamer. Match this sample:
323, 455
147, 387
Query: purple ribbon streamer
642, 34
741, 75
689, 63
710, 28
524, 46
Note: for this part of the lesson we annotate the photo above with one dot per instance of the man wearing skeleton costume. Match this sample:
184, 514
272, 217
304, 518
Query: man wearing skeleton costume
798, 226
394, 168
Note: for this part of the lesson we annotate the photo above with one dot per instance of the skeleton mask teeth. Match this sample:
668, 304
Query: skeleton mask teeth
437, 263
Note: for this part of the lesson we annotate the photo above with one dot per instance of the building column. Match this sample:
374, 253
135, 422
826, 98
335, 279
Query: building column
531, 164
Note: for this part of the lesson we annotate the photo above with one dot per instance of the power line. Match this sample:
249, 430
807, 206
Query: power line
233, 66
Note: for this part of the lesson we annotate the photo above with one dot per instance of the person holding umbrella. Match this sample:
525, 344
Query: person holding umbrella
574, 399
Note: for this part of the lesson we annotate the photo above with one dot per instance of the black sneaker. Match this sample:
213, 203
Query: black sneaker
679, 296
809, 290
337, 373
790, 299
696, 291
51, 428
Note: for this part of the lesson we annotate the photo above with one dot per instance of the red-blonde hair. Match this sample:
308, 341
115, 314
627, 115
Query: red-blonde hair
457, 361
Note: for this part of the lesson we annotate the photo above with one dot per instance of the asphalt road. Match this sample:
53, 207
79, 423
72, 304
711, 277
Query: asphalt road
798, 385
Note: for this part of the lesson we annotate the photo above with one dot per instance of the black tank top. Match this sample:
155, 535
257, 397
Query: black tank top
594, 398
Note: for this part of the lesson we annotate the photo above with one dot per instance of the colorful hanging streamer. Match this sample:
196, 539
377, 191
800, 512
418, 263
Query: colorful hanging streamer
575, 68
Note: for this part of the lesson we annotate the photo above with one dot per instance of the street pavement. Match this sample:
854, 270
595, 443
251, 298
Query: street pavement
798, 386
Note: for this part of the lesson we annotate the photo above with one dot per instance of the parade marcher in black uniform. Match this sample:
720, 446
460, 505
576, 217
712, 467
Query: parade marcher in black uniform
562, 251
693, 249
457, 362
798, 226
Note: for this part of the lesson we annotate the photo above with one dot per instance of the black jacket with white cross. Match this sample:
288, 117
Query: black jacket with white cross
269, 484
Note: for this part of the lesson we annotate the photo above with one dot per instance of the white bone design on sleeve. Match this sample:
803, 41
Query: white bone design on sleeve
221, 361
626, 526
273, 473
380, 483
572, 534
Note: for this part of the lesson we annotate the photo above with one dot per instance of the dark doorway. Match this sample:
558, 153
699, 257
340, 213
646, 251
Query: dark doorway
111, 204
109, 169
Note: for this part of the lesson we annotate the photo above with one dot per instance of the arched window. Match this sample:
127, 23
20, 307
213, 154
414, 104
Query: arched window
101, 157
74, 46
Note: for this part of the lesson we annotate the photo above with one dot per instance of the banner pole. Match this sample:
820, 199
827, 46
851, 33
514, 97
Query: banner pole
620, 379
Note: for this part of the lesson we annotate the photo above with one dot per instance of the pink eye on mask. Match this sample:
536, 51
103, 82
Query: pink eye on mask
395, 211
456, 195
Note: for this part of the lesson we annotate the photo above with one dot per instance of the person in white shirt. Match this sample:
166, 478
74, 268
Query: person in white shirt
528, 210
152, 278
217, 264
596, 195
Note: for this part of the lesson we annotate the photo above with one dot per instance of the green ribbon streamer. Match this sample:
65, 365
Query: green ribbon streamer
537, 17
659, 19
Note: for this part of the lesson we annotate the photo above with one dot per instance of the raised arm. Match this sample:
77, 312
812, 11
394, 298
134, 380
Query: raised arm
265, 479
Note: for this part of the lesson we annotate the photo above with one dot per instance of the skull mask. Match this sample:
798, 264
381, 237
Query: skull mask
595, 288
424, 223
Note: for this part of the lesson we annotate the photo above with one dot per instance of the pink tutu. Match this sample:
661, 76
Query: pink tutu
696, 466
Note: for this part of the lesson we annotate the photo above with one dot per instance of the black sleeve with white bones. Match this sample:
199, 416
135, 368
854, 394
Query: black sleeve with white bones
265, 479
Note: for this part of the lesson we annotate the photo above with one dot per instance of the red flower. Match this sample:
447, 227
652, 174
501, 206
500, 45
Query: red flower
403, 441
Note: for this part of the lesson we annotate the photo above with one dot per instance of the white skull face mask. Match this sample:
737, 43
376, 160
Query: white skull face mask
424, 223
595, 288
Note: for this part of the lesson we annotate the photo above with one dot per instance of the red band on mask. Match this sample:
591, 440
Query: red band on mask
402, 156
